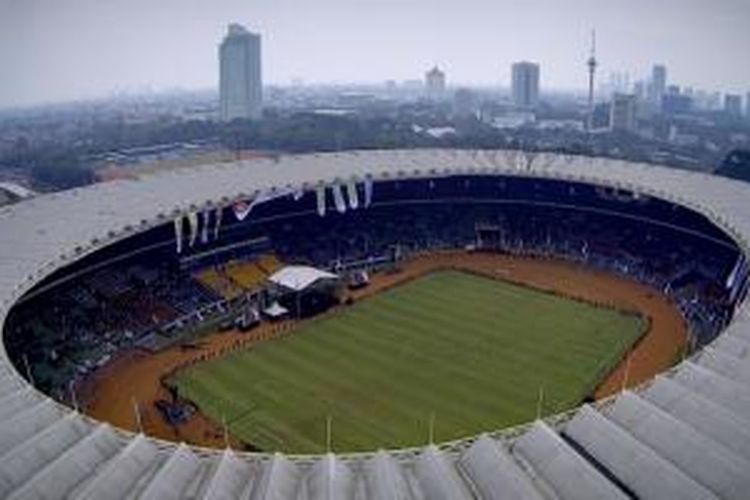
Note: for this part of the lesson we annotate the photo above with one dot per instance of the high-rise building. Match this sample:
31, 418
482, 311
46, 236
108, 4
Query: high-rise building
435, 83
658, 85
713, 101
622, 113
676, 103
525, 84
733, 105
747, 105
240, 84
619, 83
639, 89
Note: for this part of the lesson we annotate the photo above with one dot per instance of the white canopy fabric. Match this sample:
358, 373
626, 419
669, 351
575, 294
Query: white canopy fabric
276, 310
297, 278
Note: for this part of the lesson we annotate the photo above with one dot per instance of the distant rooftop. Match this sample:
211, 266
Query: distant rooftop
16, 190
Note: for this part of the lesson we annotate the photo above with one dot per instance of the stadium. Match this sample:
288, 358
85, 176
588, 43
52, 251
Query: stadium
437, 324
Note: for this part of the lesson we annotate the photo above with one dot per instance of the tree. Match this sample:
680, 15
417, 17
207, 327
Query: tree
62, 170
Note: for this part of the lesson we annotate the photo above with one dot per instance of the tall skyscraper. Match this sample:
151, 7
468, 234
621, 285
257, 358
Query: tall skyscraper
525, 84
675, 103
733, 105
435, 83
622, 113
240, 85
639, 89
658, 85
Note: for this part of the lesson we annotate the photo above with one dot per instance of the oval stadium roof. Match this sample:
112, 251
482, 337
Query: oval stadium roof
684, 435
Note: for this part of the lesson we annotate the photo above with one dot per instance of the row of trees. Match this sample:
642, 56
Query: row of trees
69, 164
49, 165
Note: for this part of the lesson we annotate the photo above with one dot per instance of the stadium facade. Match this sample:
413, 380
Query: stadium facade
682, 435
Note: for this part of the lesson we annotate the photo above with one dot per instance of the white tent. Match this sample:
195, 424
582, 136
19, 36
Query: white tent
297, 278
276, 310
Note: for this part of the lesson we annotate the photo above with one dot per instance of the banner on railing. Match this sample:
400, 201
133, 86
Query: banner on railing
320, 192
338, 198
241, 209
351, 193
178, 233
368, 191
217, 222
205, 217
193, 223
739, 281
732, 278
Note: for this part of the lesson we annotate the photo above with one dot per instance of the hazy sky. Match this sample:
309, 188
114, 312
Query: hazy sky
52, 50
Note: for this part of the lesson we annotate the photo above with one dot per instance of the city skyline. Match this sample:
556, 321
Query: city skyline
51, 52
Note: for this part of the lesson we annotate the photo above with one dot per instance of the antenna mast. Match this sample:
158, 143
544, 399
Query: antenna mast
592, 63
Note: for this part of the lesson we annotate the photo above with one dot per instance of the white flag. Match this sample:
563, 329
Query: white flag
241, 209
338, 198
205, 215
368, 192
739, 282
178, 233
734, 273
217, 222
351, 193
193, 222
321, 195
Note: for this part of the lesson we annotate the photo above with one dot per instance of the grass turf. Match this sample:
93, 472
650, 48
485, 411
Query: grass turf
471, 350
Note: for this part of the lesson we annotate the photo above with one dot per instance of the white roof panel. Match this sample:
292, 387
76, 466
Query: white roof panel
117, 478
438, 477
704, 459
59, 477
384, 479
232, 478
556, 462
494, 473
635, 464
700, 413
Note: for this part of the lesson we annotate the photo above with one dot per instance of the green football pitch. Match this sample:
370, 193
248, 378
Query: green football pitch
467, 353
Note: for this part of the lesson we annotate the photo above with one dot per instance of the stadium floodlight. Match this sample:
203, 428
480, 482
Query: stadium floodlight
226, 432
431, 429
73, 398
329, 424
540, 403
627, 372
137, 413
29, 375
